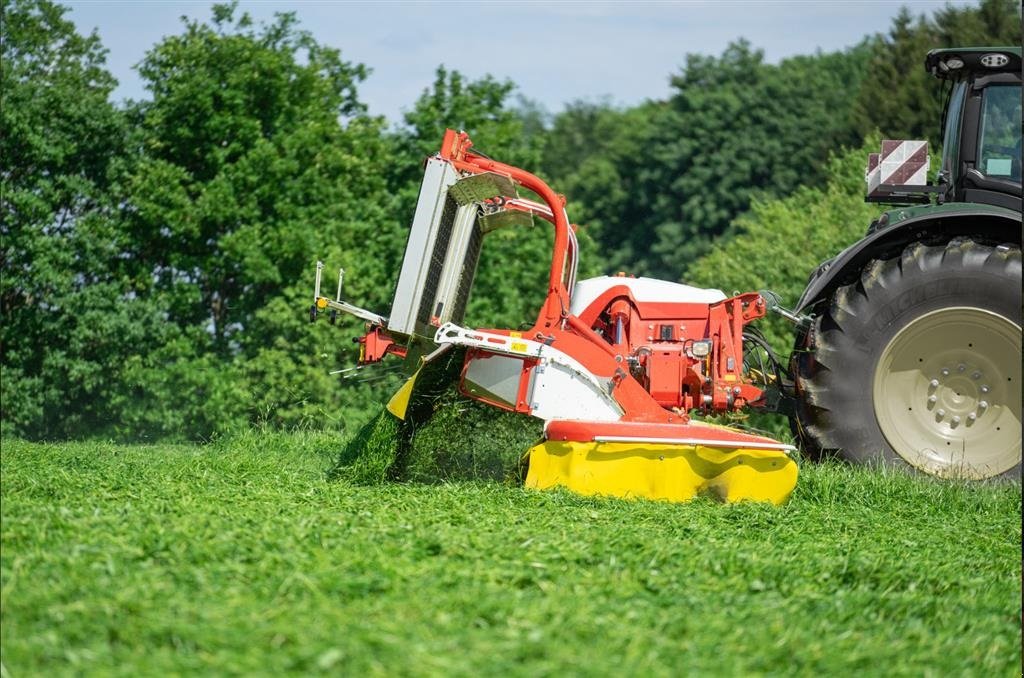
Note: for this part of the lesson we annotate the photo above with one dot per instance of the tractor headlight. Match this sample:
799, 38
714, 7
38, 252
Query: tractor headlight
951, 64
994, 60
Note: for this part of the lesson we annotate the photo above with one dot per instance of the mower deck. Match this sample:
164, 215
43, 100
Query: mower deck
662, 461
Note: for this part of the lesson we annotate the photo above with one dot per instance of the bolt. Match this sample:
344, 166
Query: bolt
956, 421
961, 368
932, 400
736, 389
945, 372
971, 417
983, 405
976, 375
940, 413
934, 383
984, 389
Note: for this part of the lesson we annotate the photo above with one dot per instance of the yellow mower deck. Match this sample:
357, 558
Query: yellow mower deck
659, 470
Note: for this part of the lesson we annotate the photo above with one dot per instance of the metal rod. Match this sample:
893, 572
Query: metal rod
319, 273
341, 276
347, 369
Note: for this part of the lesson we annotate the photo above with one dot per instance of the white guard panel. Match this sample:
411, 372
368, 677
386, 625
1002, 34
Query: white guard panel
560, 387
558, 392
642, 289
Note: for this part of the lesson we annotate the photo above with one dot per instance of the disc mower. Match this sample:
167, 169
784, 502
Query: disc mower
617, 367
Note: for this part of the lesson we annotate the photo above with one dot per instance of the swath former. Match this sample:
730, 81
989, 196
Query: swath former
613, 365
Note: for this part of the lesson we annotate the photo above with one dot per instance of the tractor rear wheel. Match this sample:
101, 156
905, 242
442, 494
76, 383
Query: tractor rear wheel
919, 364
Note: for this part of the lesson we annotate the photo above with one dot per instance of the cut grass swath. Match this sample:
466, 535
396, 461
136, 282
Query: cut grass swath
443, 437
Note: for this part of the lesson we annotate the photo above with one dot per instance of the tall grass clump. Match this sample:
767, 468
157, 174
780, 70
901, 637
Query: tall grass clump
372, 453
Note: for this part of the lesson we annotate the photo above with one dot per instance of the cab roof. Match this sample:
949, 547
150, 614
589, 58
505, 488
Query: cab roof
956, 62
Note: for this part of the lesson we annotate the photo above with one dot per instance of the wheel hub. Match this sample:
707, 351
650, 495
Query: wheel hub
947, 393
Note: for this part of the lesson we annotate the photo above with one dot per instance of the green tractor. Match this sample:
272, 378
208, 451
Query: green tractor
909, 352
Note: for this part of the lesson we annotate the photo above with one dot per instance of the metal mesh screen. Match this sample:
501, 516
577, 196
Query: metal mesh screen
437, 257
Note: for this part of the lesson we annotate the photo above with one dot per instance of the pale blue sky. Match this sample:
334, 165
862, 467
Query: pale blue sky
555, 51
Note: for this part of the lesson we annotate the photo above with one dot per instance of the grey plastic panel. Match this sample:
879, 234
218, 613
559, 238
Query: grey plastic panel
495, 377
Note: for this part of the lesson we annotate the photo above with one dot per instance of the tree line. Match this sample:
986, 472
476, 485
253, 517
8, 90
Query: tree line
157, 254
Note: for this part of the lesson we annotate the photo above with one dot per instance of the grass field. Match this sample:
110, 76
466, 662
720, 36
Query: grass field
242, 557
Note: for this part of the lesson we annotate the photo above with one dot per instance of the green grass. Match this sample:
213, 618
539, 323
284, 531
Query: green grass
242, 557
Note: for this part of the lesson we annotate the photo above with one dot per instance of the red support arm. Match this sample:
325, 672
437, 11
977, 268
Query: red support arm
455, 148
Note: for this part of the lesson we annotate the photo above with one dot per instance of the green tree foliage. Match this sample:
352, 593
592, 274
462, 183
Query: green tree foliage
483, 108
587, 153
153, 278
65, 320
670, 176
258, 157
247, 168
897, 95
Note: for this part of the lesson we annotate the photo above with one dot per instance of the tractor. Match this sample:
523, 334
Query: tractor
908, 349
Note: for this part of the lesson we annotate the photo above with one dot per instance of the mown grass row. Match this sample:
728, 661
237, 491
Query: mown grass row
243, 557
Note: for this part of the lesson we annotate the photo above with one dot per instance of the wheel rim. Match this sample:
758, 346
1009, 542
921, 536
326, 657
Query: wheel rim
947, 393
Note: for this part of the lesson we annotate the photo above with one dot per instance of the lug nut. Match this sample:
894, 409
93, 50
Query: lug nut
934, 383
976, 375
971, 417
956, 421
983, 405
961, 368
945, 372
940, 413
932, 400
984, 389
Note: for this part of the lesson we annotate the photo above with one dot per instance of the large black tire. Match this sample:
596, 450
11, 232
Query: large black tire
918, 364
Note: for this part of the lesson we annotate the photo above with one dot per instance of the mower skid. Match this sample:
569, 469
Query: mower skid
699, 462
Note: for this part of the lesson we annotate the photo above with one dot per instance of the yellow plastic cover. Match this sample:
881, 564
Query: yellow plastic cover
661, 471
399, 402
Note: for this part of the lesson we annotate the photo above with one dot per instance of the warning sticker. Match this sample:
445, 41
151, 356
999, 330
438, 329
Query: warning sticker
519, 347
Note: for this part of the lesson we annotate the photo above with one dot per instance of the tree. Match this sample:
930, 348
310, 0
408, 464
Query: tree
668, 178
258, 159
745, 129
64, 148
249, 168
590, 155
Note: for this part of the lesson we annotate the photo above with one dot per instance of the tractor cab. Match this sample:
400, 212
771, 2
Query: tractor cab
981, 156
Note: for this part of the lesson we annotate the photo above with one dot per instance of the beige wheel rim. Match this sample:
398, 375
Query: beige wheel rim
947, 393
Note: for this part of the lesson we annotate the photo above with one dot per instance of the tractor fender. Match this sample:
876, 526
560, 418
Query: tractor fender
894, 230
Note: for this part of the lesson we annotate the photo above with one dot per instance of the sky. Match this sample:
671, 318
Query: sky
555, 51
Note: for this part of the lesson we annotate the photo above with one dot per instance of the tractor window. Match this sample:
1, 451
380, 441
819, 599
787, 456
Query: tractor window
1000, 139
